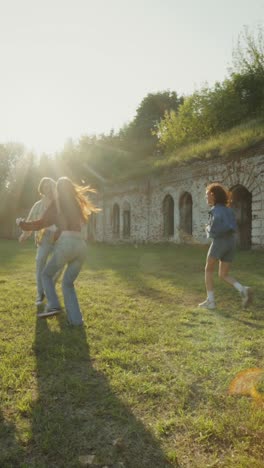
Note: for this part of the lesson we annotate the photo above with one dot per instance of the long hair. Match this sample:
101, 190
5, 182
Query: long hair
72, 202
220, 193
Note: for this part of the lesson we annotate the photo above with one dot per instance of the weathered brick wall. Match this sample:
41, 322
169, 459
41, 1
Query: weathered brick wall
145, 198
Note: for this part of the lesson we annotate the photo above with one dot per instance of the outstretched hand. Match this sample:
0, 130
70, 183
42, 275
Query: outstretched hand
18, 221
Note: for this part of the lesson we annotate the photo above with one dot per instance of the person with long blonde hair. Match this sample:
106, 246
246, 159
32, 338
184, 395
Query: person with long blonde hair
45, 237
221, 229
70, 210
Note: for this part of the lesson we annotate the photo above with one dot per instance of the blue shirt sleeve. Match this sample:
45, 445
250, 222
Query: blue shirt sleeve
222, 221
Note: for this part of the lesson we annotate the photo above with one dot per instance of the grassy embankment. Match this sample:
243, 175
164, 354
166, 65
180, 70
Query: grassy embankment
246, 139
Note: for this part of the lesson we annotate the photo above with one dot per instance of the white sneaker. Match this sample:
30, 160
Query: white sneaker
40, 300
49, 313
247, 296
207, 304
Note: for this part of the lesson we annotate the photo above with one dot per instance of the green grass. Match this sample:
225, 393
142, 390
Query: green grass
246, 139
145, 383
239, 140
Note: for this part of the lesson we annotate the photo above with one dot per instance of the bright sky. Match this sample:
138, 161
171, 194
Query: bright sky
75, 67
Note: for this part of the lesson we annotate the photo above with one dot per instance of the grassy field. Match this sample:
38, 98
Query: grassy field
145, 382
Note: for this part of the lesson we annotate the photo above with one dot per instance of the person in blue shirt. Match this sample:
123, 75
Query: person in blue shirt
221, 229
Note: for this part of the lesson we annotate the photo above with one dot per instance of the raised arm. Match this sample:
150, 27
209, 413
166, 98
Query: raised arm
49, 217
33, 215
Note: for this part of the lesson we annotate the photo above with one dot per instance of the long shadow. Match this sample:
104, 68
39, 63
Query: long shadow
137, 266
172, 264
233, 317
77, 414
11, 451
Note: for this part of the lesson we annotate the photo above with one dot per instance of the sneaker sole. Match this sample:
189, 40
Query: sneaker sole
207, 306
40, 301
50, 313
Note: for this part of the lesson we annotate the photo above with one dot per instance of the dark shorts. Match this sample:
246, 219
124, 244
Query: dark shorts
223, 248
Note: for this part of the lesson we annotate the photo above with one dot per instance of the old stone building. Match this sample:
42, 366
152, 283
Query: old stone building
172, 207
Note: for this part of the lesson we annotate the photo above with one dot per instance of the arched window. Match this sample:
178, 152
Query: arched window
185, 209
242, 205
126, 220
168, 216
116, 220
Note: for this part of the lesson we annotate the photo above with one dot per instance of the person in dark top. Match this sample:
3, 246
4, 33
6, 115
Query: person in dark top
70, 209
221, 229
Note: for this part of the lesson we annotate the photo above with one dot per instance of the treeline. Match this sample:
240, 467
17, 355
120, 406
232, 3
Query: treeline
164, 123
210, 111
20, 173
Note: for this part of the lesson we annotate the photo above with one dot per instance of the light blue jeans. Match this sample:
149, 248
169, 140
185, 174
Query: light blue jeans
70, 249
43, 251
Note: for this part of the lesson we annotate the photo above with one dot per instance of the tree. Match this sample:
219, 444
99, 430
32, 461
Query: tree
238, 98
247, 73
193, 121
10, 153
248, 55
140, 135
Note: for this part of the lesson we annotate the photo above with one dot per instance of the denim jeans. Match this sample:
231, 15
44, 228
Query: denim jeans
43, 251
69, 250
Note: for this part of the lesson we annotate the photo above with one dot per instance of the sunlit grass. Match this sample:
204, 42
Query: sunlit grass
145, 384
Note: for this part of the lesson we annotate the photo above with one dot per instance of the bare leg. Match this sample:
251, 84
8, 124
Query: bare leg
209, 272
209, 303
223, 273
245, 291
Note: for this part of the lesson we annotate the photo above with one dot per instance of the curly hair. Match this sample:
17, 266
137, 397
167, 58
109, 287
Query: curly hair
220, 193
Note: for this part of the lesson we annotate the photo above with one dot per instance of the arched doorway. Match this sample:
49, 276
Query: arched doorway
116, 220
242, 205
185, 209
126, 220
168, 216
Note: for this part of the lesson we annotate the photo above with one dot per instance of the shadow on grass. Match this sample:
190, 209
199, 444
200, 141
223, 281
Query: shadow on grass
139, 267
11, 451
77, 414
172, 264
234, 317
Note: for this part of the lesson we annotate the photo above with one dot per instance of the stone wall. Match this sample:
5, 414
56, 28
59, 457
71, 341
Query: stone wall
144, 199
